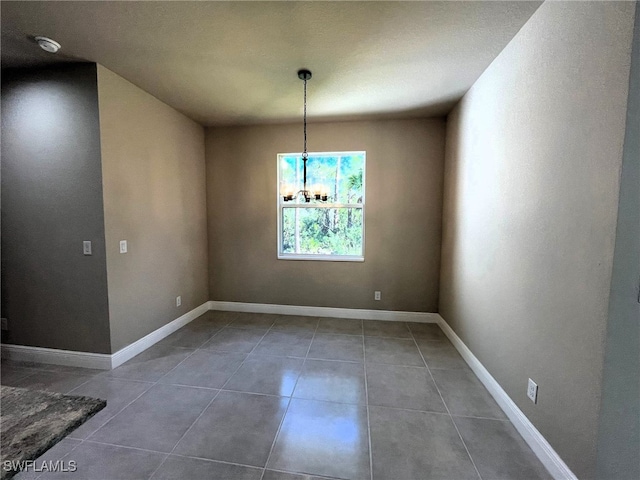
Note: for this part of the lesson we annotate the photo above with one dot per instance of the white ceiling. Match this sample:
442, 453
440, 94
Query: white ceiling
224, 63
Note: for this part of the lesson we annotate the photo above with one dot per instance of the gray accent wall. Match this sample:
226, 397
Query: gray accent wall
619, 435
402, 218
52, 295
153, 172
532, 180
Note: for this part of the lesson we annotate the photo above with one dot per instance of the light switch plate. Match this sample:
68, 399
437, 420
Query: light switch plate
532, 391
123, 246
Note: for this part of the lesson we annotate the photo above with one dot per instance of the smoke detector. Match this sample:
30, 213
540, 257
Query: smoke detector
47, 44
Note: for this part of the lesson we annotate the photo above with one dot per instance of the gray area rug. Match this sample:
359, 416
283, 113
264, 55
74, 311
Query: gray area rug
32, 421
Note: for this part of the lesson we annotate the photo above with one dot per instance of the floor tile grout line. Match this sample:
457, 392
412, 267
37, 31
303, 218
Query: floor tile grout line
193, 351
177, 365
148, 450
193, 457
446, 406
208, 405
22, 378
185, 433
166, 456
218, 392
275, 395
114, 415
153, 384
366, 393
78, 386
273, 444
159, 465
55, 368
200, 387
220, 330
190, 355
400, 409
397, 365
434, 412
275, 438
504, 420
290, 472
86, 439
60, 458
191, 348
247, 356
336, 360
68, 374
99, 376
212, 400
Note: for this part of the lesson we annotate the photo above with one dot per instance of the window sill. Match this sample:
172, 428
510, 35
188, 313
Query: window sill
325, 258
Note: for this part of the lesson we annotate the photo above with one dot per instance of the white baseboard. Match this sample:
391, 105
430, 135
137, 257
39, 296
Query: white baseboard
69, 358
100, 361
154, 337
389, 315
542, 449
107, 362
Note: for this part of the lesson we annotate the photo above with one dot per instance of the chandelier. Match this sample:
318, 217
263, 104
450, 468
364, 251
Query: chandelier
319, 193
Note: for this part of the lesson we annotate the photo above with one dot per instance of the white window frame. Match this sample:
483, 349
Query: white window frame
282, 204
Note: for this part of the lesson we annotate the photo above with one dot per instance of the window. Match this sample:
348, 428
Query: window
322, 230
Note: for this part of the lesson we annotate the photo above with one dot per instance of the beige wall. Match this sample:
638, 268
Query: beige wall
532, 171
402, 217
154, 197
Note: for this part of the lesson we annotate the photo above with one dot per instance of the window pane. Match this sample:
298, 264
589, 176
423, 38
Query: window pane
290, 172
339, 175
323, 231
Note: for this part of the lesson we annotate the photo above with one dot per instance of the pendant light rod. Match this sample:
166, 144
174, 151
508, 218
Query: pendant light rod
305, 75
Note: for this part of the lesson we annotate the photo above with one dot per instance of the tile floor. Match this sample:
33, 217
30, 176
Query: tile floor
254, 396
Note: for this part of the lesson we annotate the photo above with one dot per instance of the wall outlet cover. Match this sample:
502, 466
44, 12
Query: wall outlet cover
123, 246
376, 295
86, 247
178, 301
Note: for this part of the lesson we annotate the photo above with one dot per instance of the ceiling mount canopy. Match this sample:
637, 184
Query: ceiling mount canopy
304, 74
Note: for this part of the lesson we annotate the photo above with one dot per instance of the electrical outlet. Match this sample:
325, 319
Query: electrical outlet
123, 246
178, 300
532, 391
5, 324
86, 247
376, 295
